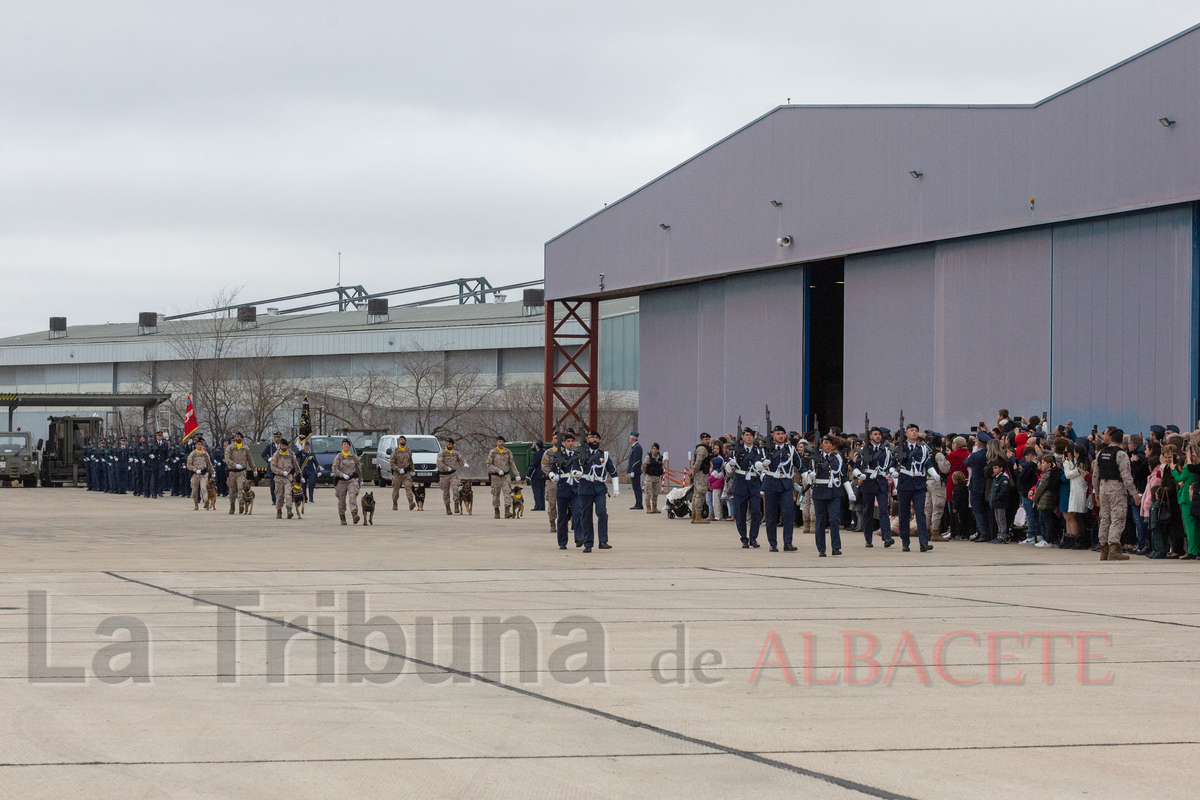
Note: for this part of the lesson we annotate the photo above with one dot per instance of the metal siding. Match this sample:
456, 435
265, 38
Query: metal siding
704, 361
842, 173
992, 320
889, 332
1118, 359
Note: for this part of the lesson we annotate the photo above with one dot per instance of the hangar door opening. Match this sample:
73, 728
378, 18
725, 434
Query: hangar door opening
824, 342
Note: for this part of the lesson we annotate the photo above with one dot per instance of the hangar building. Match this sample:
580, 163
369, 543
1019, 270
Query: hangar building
842, 262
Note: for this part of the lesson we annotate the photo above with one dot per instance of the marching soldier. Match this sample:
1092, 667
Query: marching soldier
402, 466
551, 487
635, 470
564, 472
698, 472
597, 469
347, 473
285, 470
652, 469
270, 450
782, 461
500, 464
875, 462
916, 464
828, 478
220, 471
199, 466
308, 469
448, 465
239, 463
159, 452
749, 463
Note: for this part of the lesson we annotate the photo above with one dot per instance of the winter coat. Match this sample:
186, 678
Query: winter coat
1077, 504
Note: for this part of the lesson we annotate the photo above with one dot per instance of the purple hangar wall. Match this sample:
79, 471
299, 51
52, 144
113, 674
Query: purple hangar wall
949, 332
713, 351
1122, 341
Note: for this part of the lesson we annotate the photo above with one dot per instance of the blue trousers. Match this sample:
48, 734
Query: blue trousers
981, 511
637, 489
310, 483
1031, 518
538, 486
568, 509
828, 513
1140, 523
740, 504
598, 503
907, 501
779, 508
870, 499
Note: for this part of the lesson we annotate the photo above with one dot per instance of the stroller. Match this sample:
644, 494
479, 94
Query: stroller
679, 503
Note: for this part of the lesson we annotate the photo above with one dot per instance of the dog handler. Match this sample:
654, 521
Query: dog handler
347, 472
200, 466
285, 469
238, 461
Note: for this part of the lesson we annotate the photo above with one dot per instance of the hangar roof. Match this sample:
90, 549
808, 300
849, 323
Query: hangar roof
840, 179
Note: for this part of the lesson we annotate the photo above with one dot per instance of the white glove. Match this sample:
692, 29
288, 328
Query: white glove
855, 472
932, 473
850, 492
199, 471
576, 474
759, 466
286, 473
345, 477
400, 471
807, 479
553, 476
895, 475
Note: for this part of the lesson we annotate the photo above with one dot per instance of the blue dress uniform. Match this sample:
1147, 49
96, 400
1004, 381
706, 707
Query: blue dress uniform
747, 491
562, 473
598, 469
875, 463
537, 478
308, 469
156, 462
221, 471
778, 493
122, 457
916, 462
829, 485
634, 470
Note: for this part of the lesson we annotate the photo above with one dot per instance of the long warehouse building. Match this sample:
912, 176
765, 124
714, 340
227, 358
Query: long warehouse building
844, 263
502, 342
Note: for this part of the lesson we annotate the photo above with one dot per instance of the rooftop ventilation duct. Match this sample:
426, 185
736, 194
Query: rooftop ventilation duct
147, 323
533, 301
377, 310
247, 317
58, 327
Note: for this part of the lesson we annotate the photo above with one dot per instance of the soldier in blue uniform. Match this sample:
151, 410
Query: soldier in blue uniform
271, 449
121, 457
152, 468
220, 470
875, 462
563, 471
782, 462
829, 481
915, 465
749, 463
598, 469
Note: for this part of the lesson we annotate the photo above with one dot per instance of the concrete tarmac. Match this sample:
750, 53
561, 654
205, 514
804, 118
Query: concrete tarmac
302, 659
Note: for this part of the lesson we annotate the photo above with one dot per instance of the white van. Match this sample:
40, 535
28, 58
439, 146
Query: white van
424, 451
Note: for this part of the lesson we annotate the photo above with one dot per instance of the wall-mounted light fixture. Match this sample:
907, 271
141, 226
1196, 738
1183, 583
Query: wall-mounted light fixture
784, 241
664, 226
1166, 122
777, 203
915, 174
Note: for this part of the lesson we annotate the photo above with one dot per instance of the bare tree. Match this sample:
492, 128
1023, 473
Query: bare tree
262, 387
206, 348
439, 398
363, 400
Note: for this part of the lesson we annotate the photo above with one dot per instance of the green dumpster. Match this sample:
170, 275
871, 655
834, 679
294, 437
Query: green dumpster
521, 452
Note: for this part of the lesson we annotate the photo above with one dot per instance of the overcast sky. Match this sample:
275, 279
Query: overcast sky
152, 153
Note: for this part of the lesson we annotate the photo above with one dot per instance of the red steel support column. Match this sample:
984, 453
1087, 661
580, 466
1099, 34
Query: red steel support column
548, 410
593, 376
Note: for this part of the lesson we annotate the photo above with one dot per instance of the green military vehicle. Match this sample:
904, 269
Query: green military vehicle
61, 455
18, 461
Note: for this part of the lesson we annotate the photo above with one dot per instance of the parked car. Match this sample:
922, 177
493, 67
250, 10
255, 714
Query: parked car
325, 450
424, 450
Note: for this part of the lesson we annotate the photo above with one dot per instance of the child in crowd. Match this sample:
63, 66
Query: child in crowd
1045, 497
1027, 481
960, 502
998, 501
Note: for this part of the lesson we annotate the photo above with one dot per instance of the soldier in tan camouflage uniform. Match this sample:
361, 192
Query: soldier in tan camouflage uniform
347, 474
500, 464
285, 470
551, 486
448, 464
698, 471
402, 467
239, 463
200, 466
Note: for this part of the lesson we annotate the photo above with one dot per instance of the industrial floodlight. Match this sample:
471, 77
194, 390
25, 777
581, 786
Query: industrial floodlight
784, 241
1166, 122
777, 203
664, 226
915, 174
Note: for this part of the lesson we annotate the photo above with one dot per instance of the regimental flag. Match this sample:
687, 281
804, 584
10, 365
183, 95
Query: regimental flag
190, 425
305, 422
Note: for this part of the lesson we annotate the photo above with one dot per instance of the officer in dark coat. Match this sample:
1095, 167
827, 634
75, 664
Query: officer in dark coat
220, 470
749, 464
915, 465
634, 470
537, 478
565, 473
782, 462
828, 478
598, 469
875, 463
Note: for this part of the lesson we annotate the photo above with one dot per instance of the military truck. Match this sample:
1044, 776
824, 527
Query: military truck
61, 455
18, 461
